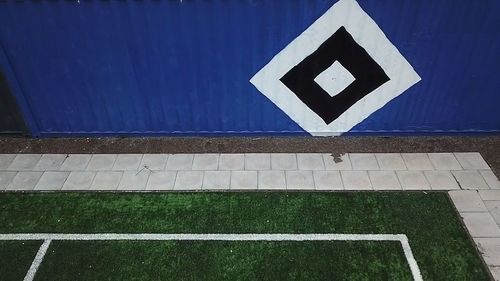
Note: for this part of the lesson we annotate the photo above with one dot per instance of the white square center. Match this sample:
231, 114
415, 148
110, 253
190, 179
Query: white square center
334, 79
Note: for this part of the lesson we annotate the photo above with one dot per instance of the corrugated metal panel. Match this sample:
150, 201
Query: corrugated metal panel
10, 117
455, 47
183, 67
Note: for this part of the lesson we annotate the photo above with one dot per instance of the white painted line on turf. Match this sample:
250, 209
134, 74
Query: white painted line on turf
402, 238
415, 271
37, 261
204, 237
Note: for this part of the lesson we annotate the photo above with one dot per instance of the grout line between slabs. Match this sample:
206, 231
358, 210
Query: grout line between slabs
342, 180
286, 182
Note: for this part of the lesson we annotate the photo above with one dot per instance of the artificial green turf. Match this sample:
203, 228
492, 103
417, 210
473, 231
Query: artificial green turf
16, 258
438, 240
222, 260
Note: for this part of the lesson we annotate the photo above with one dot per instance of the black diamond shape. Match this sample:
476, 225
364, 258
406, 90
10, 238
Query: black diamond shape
339, 47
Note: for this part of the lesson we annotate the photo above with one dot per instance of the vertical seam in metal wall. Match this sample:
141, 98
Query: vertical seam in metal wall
18, 92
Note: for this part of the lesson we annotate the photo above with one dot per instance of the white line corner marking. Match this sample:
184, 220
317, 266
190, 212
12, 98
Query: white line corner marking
49, 237
366, 33
37, 260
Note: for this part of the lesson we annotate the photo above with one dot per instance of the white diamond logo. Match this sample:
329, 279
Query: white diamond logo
334, 79
336, 73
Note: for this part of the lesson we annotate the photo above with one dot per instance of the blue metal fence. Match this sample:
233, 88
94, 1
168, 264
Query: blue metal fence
183, 67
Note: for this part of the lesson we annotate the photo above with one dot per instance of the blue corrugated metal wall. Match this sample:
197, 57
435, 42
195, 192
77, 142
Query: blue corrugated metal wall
183, 67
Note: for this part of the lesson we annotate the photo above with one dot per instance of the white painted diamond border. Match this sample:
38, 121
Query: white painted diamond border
368, 35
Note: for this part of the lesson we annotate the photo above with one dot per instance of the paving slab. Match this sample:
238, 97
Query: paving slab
384, 180
180, 162
271, 180
490, 179
470, 180
284, 161
24, 162
339, 162
161, 180
444, 161
328, 180
79, 180
232, 162
495, 271
413, 180
106, 180
217, 180
489, 195
24, 181
417, 161
467, 201
441, 180
481, 224
302, 180
6, 160
206, 162
356, 180
390, 161
101, 162
6, 178
471, 161
154, 162
50, 162
189, 180
75, 162
490, 250
363, 161
134, 180
257, 161
244, 180
493, 207
310, 161
52, 180
128, 162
